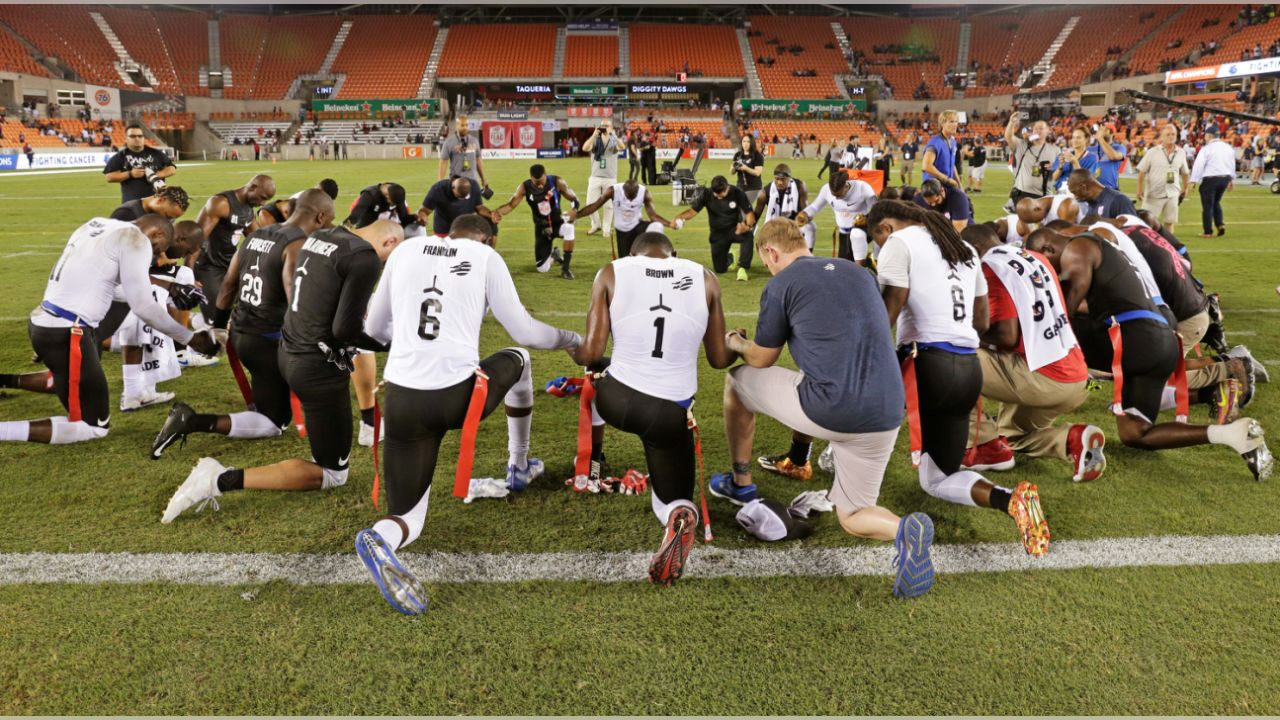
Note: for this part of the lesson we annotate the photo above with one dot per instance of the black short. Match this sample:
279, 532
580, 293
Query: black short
260, 356
948, 385
112, 321
544, 236
325, 394
210, 279
417, 421
664, 431
626, 237
1149, 355
53, 346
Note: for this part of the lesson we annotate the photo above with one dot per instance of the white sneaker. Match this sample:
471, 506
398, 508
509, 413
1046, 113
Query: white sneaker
826, 461
191, 358
146, 398
201, 486
366, 434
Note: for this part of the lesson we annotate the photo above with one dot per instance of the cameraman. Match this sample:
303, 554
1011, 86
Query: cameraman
139, 169
603, 146
1032, 158
748, 165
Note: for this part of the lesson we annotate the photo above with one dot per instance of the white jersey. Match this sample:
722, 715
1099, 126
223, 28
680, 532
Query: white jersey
431, 302
627, 214
1125, 244
856, 201
940, 302
658, 317
101, 256
782, 203
1046, 331
1012, 236
1057, 203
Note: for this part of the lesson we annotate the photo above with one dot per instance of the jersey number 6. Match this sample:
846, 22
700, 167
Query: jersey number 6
429, 319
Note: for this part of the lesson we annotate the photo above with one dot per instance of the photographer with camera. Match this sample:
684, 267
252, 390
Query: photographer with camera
603, 146
748, 165
1032, 157
139, 169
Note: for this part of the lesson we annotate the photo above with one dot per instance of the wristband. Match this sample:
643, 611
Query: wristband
221, 317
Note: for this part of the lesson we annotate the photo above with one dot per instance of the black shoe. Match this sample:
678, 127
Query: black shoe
1222, 230
566, 273
556, 257
176, 427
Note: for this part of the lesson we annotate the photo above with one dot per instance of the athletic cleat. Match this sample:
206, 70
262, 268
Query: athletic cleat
201, 486
723, 487
518, 479
1085, 446
129, 403
1259, 369
556, 257
742, 275
366, 434
1024, 508
1225, 404
566, 273
913, 568
176, 427
191, 358
1260, 460
668, 563
1242, 369
782, 465
991, 455
398, 586
826, 460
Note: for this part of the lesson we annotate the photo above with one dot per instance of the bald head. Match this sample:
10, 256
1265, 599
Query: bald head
1031, 211
259, 189
188, 236
158, 229
383, 235
312, 210
1083, 185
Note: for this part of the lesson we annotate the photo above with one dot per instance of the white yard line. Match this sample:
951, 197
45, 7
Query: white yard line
706, 562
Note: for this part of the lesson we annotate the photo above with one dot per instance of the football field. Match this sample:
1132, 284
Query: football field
1161, 594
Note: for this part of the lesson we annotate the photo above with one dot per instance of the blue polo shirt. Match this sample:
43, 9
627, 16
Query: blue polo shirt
1108, 170
944, 156
1089, 161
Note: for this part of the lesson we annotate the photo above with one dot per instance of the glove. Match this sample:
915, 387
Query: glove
344, 358
634, 483
486, 488
808, 502
564, 386
186, 297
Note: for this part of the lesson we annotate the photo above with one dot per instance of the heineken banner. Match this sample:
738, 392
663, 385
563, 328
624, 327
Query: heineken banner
419, 107
588, 90
802, 107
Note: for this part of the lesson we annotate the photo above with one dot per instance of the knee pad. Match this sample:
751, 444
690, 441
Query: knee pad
521, 394
66, 433
858, 242
334, 478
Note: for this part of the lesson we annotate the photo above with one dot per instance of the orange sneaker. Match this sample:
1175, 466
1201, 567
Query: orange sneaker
668, 563
782, 465
1025, 510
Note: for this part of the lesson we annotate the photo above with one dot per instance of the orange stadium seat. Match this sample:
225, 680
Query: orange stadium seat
660, 49
186, 34
822, 130
1097, 30
384, 56
294, 45
15, 58
243, 39
142, 39
13, 130
68, 33
590, 55
1033, 32
1189, 30
940, 36
489, 50
811, 33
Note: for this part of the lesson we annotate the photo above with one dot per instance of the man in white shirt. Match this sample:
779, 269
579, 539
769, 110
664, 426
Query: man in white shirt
429, 307
102, 257
1162, 173
1214, 171
850, 200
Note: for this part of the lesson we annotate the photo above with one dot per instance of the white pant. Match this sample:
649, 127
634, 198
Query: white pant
595, 188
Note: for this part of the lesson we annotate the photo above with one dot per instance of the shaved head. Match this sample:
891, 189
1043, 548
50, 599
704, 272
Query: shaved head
158, 229
260, 189
187, 237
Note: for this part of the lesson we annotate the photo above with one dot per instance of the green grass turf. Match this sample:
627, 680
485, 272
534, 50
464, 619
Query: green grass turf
67, 653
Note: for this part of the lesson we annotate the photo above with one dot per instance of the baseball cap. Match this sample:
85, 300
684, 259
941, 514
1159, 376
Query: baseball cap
1211, 130
768, 520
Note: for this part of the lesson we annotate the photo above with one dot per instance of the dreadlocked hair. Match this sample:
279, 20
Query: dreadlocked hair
954, 249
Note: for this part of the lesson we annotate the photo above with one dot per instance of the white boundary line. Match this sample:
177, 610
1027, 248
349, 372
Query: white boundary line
706, 562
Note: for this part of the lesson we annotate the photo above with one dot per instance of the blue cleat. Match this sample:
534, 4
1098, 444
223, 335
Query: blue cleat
913, 567
518, 480
401, 589
722, 486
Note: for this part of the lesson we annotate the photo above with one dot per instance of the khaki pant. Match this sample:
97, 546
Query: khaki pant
604, 216
1192, 331
1166, 209
1031, 403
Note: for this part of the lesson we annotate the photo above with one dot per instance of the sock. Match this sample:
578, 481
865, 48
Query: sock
1000, 497
663, 510
366, 417
518, 440
9, 381
568, 258
799, 452
393, 533
1234, 435
250, 424
203, 423
132, 379
232, 479
597, 451
16, 430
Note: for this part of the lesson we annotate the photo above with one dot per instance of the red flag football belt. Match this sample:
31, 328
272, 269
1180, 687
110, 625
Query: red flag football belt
470, 426
237, 371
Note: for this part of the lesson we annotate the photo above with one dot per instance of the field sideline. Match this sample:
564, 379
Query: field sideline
260, 608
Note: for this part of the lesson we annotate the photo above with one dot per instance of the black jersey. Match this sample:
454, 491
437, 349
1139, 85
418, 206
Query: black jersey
129, 211
544, 203
260, 297
371, 205
335, 276
273, 209
220, 246
1177, 287
1116, 287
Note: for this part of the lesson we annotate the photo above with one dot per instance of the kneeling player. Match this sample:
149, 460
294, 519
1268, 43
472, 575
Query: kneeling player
101, 256
1099, 274
658, 308
337, 270
543, 193
429, 307
628, 199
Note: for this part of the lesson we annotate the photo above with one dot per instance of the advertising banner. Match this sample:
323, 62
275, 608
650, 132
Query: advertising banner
526, 134
8, 162
506, 154
413, 152
495, 135
63, 160
417, 107
104, 102
1261, 66
801, 107
590, 111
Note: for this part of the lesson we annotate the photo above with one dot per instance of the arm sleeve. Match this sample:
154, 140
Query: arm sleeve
358, 282
894, 264
162, 160
135, 284
824, 197
699, 201
500, 293
1144, 165
772, 328
377, 323
358, 210
429, 202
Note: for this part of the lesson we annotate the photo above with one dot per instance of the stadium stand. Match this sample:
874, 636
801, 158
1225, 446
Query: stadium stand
245, 131
138, 31
772, 37
294, 45
384, 56
69, 34
912, 55
666, 49
169, 120
1197, 24
15, 134
186, 34
243, 39
489, 50
819, 131
354, 131
1031, 34
15, 58
1098, 30
590, 55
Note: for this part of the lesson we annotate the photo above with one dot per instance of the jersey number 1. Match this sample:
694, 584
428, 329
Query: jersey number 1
660, 326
